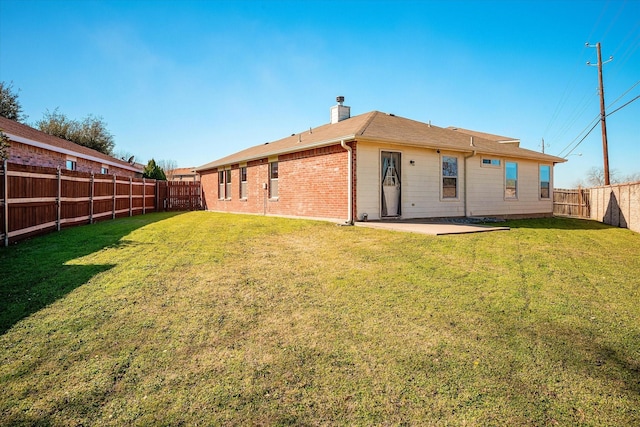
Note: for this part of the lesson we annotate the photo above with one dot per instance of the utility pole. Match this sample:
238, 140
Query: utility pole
603, 116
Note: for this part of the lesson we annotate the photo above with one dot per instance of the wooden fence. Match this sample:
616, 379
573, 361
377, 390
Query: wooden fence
180, 195
574, 202
617, 205
36, 200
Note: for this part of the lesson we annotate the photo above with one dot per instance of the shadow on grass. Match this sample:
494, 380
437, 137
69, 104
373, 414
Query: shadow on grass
558, 223
34, 272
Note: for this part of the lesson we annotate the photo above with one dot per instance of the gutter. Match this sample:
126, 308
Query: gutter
349, 220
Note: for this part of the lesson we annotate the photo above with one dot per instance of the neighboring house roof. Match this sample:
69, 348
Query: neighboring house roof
30, 136
376, 126
183, 171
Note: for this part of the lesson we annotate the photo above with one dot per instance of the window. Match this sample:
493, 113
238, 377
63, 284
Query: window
273, 180
243, 182
449, 177
227, 191
221, 185
545, 181
511, 180
71, 165
491, 162
104, 170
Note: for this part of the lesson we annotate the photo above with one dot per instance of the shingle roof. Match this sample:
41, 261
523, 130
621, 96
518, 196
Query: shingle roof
183, 171
484, 135
11, 127
382, 127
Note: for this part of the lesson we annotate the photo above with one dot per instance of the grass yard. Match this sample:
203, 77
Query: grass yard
216, 319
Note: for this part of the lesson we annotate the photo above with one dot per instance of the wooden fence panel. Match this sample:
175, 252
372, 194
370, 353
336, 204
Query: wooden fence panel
183, 195
36, 200
572, 202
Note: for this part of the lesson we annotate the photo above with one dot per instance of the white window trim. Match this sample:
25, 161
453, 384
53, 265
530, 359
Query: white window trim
271, 161
517, 181
484, 165
72, 159
457, 177
550, 182
228, 183
246, 182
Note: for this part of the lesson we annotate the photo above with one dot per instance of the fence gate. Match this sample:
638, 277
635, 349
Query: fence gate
574, 202
179, 195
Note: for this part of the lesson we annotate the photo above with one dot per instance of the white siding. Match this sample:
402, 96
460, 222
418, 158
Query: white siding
421, 185
486, 189
420, 190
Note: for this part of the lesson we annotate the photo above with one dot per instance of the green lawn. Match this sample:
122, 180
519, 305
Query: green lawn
215, 319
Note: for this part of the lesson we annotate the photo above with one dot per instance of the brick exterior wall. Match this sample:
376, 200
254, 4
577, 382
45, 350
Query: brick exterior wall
311, 183
24, 154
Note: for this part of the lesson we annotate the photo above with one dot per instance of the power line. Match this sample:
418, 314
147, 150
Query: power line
624, 105
626, 92
595, 120
580, 142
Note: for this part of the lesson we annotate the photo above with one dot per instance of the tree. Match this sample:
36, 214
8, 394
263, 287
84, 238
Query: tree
4, 146
169, 167
153, 171
91, 132
595, 177
9, 105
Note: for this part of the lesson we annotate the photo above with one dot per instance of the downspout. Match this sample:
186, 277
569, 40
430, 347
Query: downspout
466, 174
349, 220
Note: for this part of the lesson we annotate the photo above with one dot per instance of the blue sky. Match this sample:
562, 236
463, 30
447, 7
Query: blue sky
193, 81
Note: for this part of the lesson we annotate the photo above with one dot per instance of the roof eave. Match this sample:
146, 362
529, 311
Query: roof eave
287, 150
470, 149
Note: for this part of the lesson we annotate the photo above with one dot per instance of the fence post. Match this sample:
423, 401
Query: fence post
144, 196
130, 197
5, 205
115, 191
58, 202
91, 193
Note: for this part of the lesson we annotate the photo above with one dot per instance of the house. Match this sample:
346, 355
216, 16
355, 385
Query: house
377, 166
183, 175
29, 146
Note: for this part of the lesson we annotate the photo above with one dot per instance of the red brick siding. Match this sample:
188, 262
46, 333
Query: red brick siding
311, 183
29, 155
